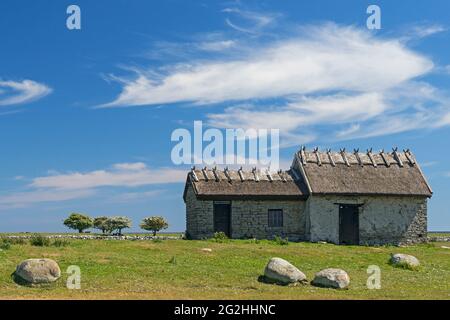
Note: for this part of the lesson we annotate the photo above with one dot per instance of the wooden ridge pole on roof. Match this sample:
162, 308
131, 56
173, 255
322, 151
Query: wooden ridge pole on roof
397, 156
194, 175
330, 156
369, 154
344, 157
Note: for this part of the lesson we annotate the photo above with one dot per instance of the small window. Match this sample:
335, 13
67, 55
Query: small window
275, 218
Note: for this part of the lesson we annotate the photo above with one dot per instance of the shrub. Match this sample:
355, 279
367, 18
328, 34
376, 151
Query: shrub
254, 240
61, 243
19, 241
39, 241
156, 240
281, 241
154, 224
5, 244
220, 237
78, 221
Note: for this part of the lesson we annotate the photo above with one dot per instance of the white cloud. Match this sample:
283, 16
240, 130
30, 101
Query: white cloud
13, 92
216, 45
320, 59
249, 21
23, 199
135, 196
130, 166
327, 82
57, 187
422, 31
303, 111
121, 175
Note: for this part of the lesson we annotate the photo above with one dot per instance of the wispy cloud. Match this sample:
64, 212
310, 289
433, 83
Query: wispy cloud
426, 30
27, 198
57, 187
427, 164
120, 175
135, 196
326, 81
251, 22
320, 59
18, 92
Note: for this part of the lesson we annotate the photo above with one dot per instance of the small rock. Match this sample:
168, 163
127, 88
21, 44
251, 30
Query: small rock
445, 247
280, 271
206, 250
331, 278
37, 271
404, 261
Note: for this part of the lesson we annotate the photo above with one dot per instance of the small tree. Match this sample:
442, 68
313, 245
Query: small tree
78, 221
100, 224
154, 224
117, 223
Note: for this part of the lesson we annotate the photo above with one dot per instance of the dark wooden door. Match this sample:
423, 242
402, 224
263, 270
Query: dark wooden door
222, 218
348, 224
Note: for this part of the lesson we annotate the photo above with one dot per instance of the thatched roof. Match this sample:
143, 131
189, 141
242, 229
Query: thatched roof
394, 173
316, 172
210, 184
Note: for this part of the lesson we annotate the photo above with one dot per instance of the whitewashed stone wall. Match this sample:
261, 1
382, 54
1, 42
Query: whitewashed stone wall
382, 219
199, 217
250, 219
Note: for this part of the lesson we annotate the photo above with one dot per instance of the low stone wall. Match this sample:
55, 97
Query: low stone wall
96, 237
438, 239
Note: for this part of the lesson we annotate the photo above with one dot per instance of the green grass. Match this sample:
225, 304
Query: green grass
438, 234
92, 233
179, 269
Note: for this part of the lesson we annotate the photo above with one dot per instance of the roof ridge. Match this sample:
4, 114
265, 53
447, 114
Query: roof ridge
357, 157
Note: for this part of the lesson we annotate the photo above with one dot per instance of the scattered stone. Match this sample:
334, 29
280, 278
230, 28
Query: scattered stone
36, 271
331, 278
439, 239
404, 261
282, 272
206, 250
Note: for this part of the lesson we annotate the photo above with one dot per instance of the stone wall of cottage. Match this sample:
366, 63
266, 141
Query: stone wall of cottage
250, 219
382, 219
199, 217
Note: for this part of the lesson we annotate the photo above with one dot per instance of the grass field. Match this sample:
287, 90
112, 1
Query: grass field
178, 269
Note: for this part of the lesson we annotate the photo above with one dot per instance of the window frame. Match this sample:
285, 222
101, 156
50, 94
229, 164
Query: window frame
275, 218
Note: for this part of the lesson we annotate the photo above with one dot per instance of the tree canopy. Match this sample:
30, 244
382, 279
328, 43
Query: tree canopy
117, 223
78, 221
100, 223
154, 224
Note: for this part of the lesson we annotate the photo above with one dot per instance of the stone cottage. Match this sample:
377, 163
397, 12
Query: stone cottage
339, 197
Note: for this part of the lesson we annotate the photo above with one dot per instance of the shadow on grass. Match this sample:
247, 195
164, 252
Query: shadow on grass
21, 282
18, 280
264, 279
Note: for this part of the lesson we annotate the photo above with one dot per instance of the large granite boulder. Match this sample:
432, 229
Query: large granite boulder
331, 278
282, 272
36, 271
404, 261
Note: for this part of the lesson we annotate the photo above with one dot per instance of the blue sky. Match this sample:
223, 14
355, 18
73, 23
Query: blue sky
86, 115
